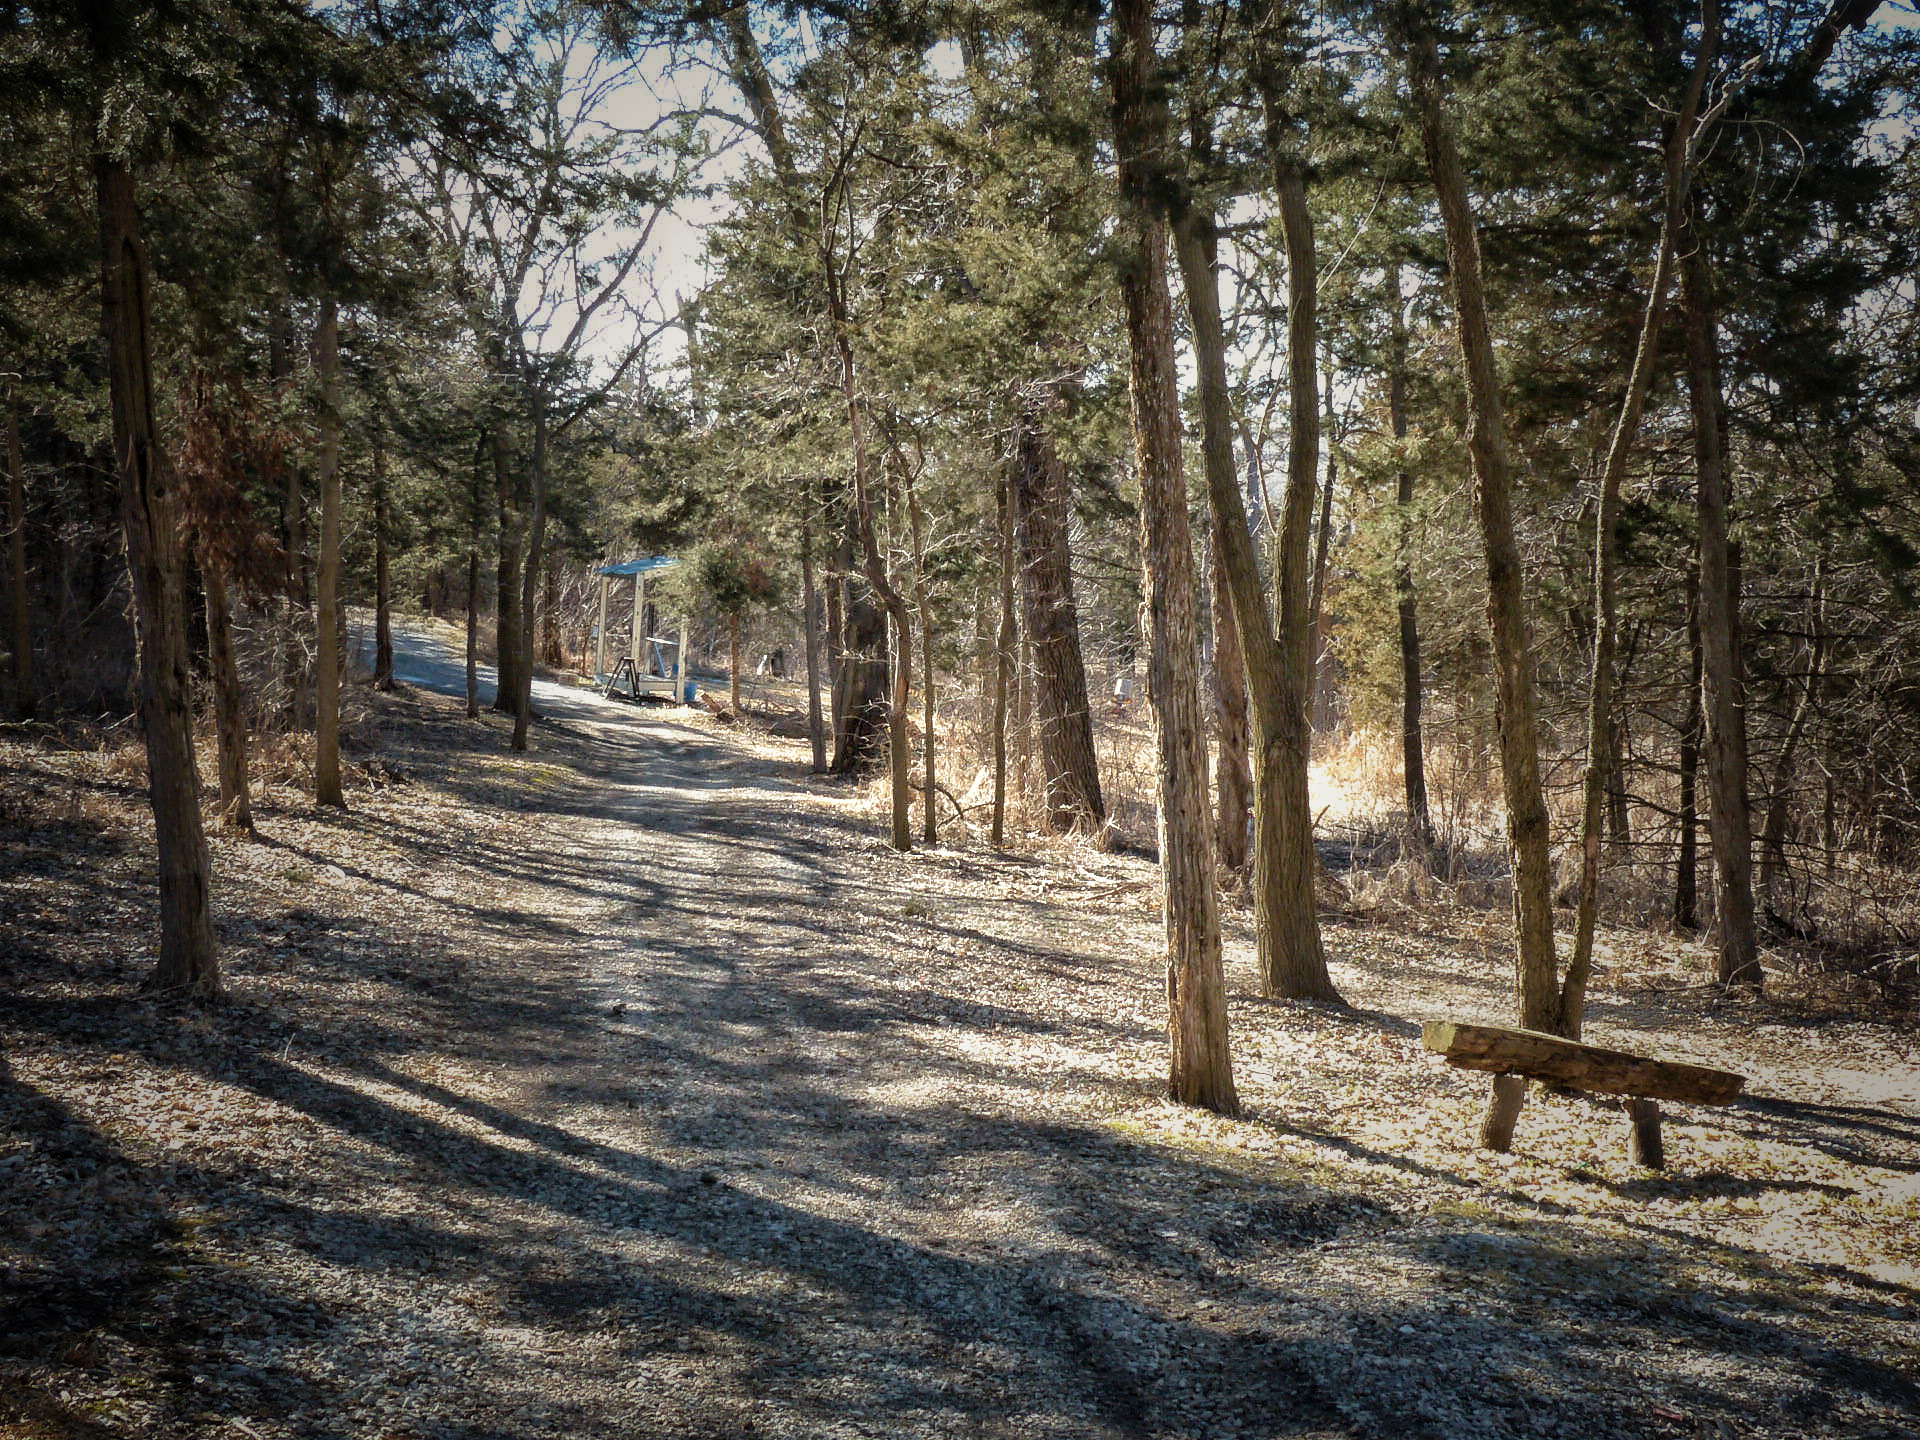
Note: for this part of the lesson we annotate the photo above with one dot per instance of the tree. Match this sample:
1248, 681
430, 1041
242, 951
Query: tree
1278, 667
1527, 827
1201, 1071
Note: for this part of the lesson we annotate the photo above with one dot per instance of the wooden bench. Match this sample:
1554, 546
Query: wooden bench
1517, 1056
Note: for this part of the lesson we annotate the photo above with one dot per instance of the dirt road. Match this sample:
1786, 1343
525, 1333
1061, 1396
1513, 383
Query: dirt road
634, 1088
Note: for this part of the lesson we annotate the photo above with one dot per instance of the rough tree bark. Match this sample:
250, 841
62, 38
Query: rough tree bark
1527, 829
1725, 722
1200, 1068
189, 962
1039, 494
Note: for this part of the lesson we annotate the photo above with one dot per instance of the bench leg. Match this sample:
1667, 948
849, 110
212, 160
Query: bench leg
1644, 1146
1509, 1094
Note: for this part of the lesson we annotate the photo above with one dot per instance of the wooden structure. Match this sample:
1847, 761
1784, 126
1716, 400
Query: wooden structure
653, 664
1514, 1057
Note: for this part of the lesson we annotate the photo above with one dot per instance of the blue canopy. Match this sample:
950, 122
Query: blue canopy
640, 566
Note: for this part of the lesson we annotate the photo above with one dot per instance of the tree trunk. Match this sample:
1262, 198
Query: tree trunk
1601, 739
25, 698
1039, 495
733, 663
876, 567
1278, 666
1292, 959
1686, 885
229, 703
150, 515
1726, 731
1528, 838
1200, 1067
810, 623
476, 506
382, 579
836, 641
1773, 830
1318, 688
1003, 649
1413, 750
326, 680
506, 627
293, 528
929, 814
1233, 779
530, 581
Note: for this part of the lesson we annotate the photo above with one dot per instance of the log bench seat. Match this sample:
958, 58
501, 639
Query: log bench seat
1514, 1057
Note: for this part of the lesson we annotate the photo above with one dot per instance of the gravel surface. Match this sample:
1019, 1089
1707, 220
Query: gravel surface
634, 1087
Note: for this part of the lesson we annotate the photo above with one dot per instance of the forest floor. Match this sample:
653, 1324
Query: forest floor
635, 1087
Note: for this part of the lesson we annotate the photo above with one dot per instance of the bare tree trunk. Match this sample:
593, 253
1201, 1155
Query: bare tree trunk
1233, 779
507, 619
1600, 735
1039, 496
293, 527
1286, 926
876, 567
473, 587
1686, 884
150, 514
733, 663
836, 642
1528, 838
326, 680
1200, 1067
382, 579
530, 581
810, 628
25, 698
1413, 750
1318, 688
229, 703
1726, 730
1773, 830
1003, 650
929, 816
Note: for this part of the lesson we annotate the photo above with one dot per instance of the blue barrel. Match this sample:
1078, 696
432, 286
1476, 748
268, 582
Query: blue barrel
691, 692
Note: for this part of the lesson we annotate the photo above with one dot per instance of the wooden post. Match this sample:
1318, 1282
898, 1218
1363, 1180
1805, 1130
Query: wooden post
1509, 1094
1644, 1146
680, 664
600, 635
